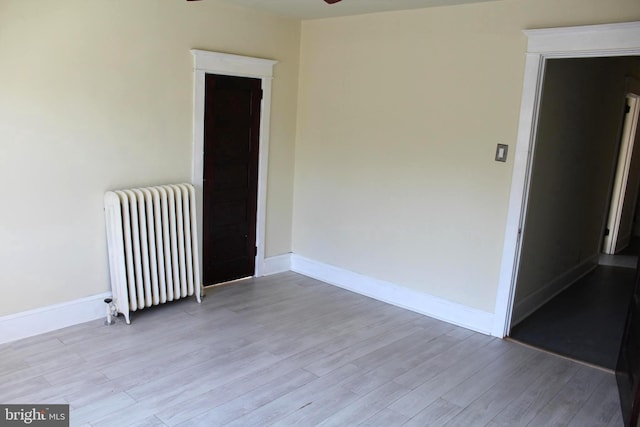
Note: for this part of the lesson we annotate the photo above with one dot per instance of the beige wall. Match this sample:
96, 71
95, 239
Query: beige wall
575, 152
399, 115
98, 95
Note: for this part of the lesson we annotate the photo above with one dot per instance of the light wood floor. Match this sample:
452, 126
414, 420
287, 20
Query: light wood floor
289, 350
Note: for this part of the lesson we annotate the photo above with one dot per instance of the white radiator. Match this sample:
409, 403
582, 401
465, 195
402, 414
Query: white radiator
153, 246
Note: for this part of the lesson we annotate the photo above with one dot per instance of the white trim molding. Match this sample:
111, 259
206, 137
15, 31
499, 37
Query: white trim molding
277, 264
46, 319
569, 42
206, 62
429, 305
588, 40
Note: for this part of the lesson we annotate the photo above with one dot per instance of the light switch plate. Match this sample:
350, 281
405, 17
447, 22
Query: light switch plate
501, 152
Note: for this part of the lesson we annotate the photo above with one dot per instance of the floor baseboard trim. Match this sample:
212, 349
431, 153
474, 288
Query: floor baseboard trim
539, 298
26, 324
277, 264
46, 319
429, 305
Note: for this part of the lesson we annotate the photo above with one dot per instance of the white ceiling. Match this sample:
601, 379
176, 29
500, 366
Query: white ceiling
315, 9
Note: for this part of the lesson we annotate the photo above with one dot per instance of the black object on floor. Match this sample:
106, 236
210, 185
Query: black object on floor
585, 321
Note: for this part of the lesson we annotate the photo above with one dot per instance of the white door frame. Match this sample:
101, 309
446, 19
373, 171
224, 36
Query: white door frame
568, 42
623, 167
206, 62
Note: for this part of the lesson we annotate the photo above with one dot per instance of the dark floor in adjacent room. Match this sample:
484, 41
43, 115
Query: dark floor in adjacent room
584, 322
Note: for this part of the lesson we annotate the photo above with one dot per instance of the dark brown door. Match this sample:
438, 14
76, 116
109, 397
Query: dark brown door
628, 369
230, 189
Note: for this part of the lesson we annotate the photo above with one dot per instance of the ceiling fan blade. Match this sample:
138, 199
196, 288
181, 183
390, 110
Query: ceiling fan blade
332, 1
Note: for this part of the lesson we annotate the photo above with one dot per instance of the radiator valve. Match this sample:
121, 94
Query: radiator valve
112, 311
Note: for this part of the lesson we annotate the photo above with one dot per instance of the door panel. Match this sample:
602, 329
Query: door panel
628, 369
230, 189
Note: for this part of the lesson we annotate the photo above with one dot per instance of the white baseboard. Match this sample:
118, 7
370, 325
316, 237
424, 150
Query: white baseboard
40, 320
529, 304
429, 305
277, 264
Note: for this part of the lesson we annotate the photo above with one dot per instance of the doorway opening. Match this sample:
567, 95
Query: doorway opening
621, 245
564, 300
591, 41
611, 40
